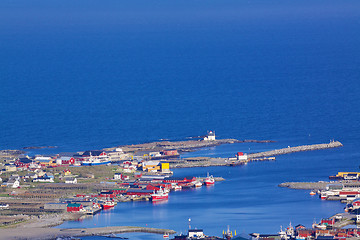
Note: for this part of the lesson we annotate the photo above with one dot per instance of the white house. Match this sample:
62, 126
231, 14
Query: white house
13, 183
70, 180
117, 176
196, 233
43, 179
210, 136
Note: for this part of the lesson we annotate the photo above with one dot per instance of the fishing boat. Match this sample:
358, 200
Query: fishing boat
107, 204
159, 195
209, 181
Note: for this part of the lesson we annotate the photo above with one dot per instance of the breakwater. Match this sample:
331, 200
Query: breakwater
321, 185
303, 148
260, 156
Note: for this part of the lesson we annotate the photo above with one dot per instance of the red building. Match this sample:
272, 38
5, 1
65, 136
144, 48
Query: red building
23, 162
74, 207
179, 180
170, 152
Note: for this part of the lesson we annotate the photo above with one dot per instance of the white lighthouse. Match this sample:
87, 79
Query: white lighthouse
210, 136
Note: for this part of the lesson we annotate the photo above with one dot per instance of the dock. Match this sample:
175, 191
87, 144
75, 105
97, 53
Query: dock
303, 148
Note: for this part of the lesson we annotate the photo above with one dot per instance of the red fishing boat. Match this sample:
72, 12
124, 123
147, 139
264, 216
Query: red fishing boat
160, 195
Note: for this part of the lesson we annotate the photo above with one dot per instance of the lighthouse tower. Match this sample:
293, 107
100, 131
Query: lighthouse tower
210, 136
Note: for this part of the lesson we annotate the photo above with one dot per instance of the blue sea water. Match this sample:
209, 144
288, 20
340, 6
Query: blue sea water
92, 74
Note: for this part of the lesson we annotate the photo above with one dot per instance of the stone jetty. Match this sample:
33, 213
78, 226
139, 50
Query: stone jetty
261, 156
305, 185
333, 144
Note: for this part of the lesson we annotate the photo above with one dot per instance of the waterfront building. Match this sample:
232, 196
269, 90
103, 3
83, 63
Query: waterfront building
240, 156
74, 207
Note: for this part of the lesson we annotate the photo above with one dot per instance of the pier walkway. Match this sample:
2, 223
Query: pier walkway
333, 144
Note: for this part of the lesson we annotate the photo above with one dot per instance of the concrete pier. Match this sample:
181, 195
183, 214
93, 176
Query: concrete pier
303, 148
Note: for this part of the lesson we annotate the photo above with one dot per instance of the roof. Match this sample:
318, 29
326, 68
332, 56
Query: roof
139, 191
69, 178
74, 205
196, 230
179, 178
25, 160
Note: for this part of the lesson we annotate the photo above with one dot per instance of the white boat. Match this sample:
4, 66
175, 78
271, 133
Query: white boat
177, 188
92, 161
209, 180
198, 184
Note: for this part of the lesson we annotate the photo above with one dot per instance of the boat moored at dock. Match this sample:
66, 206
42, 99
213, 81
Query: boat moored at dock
160, 195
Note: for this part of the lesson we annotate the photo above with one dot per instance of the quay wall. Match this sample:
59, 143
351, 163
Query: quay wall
303, 148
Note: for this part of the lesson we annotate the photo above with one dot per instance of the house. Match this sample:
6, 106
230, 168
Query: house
74, 207
67, 172
45, 161
117, 176
210, 136
31, 175
10, 167
70, 180
43, 179
13, 183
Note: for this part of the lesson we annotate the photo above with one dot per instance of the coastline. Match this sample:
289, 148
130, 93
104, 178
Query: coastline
43, 229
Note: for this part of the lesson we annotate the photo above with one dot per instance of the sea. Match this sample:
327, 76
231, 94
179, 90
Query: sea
82, 75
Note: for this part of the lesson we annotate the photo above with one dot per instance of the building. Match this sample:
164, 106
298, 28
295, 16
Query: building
55, 206
170, 153
23, 162
196, 233
70, 180
74, 207
13, 183
179, 180
45, 161
240, 156
117, 176
43, 179
10, 167
150, 166
165, 167
210, 136
65, 160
